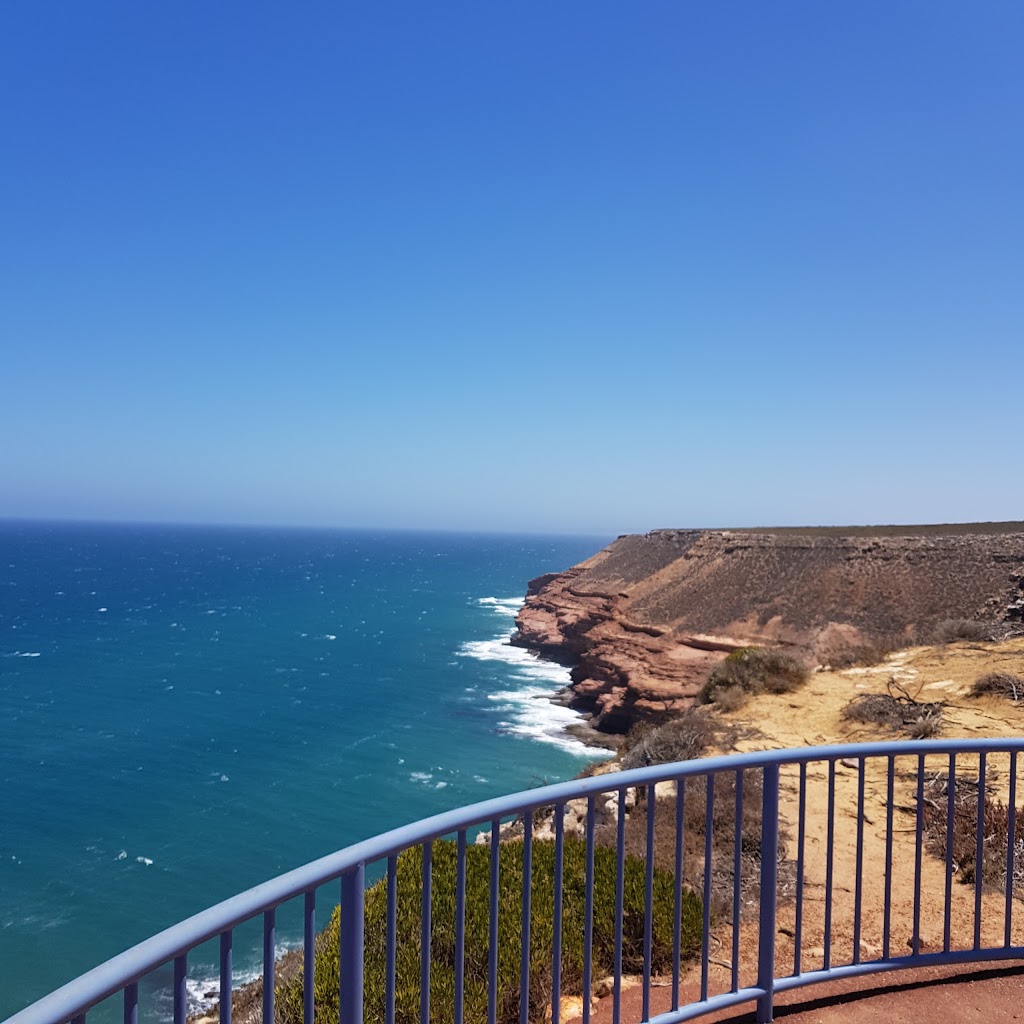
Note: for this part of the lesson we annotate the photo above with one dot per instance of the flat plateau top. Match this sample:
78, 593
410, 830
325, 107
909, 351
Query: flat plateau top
930, 530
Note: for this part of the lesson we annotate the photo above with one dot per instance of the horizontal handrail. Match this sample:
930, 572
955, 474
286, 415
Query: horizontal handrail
77, 996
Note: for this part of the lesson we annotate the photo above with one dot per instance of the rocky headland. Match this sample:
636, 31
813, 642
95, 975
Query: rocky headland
643, 621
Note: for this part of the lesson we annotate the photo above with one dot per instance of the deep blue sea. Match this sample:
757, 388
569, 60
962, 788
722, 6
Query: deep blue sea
186, 712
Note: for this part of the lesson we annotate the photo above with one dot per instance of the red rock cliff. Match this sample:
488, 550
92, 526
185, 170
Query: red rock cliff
644, 620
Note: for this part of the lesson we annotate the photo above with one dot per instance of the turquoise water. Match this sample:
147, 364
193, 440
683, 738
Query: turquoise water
185, 712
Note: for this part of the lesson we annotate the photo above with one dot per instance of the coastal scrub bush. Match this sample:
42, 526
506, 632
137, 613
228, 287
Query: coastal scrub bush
442, 951
950, 630
896, 710
681, 739
963, 840
723, 838
1003, 684
754, 670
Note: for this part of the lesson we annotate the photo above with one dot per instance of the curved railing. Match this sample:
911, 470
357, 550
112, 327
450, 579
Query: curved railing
808, 833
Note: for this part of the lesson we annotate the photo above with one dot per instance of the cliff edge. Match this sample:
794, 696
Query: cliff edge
643, 621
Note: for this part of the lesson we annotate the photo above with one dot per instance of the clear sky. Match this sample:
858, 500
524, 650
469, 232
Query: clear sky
583, 265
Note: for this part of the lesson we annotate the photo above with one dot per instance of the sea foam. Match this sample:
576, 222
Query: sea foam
527, 708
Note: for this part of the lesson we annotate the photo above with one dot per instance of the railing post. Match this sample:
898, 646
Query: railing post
351, 945
769, 893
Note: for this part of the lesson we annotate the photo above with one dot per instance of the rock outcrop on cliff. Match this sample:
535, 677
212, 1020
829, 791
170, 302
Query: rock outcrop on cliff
643, 621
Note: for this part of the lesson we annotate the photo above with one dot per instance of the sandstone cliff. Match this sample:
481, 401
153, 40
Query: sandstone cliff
643, 621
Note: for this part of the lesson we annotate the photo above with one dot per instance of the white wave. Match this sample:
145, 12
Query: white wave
203, 993
101, 609
526, 663
531, 712
122, 855
420, 777
25, 654
502, 605
144, 860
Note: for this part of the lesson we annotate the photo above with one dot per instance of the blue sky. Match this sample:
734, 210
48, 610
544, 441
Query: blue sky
573, 266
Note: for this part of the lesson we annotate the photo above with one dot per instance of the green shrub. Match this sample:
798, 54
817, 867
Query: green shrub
754, 670
442, 952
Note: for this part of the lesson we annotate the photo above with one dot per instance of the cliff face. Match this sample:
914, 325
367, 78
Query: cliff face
644, 620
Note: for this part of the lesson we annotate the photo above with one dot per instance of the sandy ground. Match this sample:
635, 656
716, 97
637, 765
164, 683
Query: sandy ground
812, 716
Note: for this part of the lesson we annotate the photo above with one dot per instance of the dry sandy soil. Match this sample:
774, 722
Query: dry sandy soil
812, 716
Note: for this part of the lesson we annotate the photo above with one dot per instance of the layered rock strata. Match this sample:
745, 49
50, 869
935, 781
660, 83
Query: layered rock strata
643, 621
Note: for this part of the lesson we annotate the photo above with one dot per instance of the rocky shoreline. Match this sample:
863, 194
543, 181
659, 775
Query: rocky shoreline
643, 621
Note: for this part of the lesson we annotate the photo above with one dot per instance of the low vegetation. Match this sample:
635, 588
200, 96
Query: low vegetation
1001, 684
964, 837
863, 652
950, 630
749, 671
442, 951
723, 839
896, 710
681, 739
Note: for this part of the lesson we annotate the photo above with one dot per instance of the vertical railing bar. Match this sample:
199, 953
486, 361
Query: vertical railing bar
308, 955
1011, 842
830, 847
225, 978
350, 945
131, 1003
737, 865
588, 914
769, 886
620, 883
426, 881
979, 851
492, 950
181, 990
858, 892
460, 925
918, 843
709, 822
798, 929
947, 908
269, 964
391, 940
556, 938
524, 956
677, 923
649, 901
887, 902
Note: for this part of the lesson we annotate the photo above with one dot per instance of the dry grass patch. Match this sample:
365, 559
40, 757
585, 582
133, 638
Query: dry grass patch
950, 630
963, 841
896, 710
1001, 684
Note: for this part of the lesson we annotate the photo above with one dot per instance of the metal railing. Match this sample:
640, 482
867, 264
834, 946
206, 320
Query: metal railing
784, 859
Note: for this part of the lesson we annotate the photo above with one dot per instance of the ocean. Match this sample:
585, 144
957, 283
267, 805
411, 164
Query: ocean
186, 712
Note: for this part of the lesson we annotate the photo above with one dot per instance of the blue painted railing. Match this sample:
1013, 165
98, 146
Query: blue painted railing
786, 776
